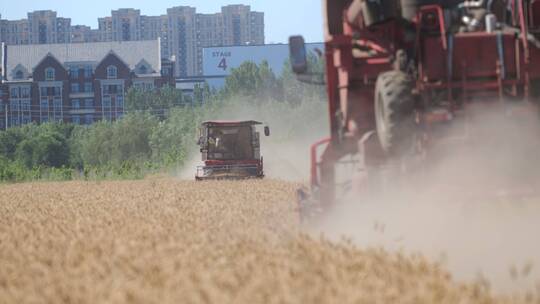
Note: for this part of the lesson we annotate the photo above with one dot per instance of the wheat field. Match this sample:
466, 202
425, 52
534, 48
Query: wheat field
170, 241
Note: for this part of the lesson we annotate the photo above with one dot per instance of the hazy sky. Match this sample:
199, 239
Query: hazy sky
282, 18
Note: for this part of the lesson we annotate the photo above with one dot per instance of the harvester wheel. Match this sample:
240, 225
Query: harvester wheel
394, 112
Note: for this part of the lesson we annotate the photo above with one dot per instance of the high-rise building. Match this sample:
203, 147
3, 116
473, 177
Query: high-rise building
15, 32
83, 33
3, 29
153, 27
241, 26
63, 30
182, 32
79, 33
126, 24
45, 27
105, 28
41, 27
183, 39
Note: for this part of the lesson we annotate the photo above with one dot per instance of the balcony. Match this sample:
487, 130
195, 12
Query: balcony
82, 95
82, 111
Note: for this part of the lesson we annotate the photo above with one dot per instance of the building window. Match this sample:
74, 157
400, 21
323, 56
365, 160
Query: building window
19, 74
88, 71
44, 109
143, 69
57, 109
120, 102
88, 103
44, 105
57, 91
43, 91
111, 89
74, 72
74, 88
76, 119
14, 93
14, 121
107, 107
75, 104
14, 106
88, 119
107, 102
25, 105
112, 72
25, 92
88, 87
57, 104
26, 119
49, 74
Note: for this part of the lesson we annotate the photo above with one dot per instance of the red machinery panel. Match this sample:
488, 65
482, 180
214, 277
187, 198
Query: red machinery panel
474, 55
534, 14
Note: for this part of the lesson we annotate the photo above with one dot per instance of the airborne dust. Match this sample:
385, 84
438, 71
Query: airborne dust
476, 208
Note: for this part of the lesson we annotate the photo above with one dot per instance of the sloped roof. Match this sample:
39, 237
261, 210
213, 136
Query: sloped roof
131, 52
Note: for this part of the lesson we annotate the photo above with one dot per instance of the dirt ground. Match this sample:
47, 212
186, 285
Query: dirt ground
170, 241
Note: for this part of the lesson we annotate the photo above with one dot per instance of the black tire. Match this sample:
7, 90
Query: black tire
394, 112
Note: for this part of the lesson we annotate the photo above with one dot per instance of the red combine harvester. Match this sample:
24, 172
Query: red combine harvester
399, 71
230, 150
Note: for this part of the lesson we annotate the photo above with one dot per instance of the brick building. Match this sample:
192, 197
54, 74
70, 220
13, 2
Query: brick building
79, 83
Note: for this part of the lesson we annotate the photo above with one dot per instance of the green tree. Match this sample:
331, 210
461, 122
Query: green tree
9, 140
45, 148
295, 91
94, 144
174, 139
137, 100
201, 93
131, 137
167, 97
252, 80
113, 143
155, 101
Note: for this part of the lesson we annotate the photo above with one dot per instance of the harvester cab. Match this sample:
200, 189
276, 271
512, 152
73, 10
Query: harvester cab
230, 150
398, 71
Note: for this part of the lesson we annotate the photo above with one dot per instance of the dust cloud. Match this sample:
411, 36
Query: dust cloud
475, 209
189, 168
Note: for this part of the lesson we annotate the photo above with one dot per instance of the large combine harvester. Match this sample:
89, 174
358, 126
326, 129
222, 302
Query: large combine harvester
400, 72
230, 150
